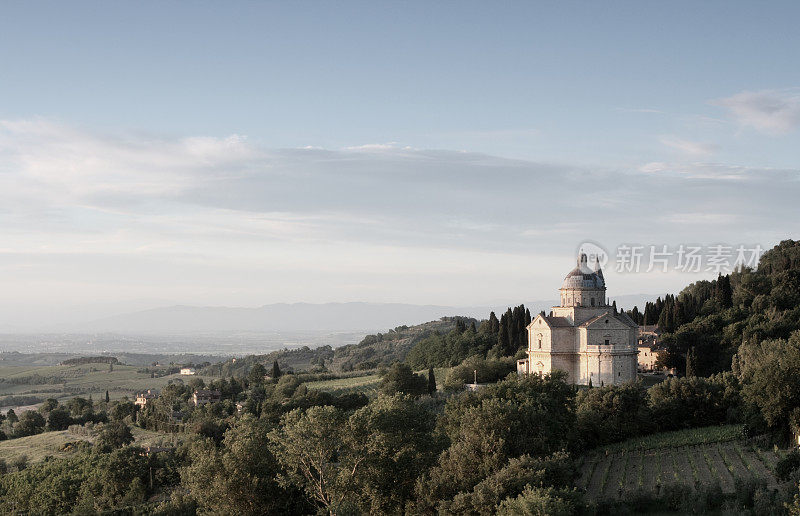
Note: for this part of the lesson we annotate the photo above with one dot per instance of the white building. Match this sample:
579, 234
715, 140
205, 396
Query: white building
143, 399
583, 336
188, 371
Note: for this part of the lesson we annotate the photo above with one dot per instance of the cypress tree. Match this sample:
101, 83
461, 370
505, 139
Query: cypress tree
431, 382
472, 327
726, 292
494, 324
107, 398
503, 337
691, 366
276, 371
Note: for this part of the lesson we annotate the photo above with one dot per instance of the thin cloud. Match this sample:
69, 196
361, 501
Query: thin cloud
204, 215
690, 148
768, 111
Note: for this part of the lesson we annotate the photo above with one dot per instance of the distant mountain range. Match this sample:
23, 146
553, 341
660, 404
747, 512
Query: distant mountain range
282, 317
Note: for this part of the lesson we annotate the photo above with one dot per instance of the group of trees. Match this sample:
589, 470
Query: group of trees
51, 415
506, 448
705, 324
494, 338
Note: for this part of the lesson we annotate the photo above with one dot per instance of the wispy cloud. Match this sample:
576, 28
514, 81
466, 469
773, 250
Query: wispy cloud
642, 110
768, 111
690, 148
202, 216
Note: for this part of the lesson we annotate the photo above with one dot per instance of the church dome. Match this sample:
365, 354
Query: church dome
582, 277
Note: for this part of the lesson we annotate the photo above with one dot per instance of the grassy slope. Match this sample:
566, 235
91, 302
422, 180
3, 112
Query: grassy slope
366, 355
37, 447
69, 381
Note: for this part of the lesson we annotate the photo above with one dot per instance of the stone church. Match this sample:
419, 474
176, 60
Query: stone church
583, 336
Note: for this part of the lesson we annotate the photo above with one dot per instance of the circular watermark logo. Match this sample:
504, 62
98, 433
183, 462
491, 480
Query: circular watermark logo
594, 253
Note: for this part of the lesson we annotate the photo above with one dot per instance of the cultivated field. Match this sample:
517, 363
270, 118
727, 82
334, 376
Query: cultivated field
694, 458
366, 384
62, 382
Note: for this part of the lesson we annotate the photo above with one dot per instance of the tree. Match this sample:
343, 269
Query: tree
79, 407
401, 379
316, 454
276, 370
58, 419
394, 435
612, 413
539, 501
107, 397
769, 372
241, 476
520, 415
30, 423
494, 324
690, 363
121, 409
431, 382
257, 374
114, 435
48, 405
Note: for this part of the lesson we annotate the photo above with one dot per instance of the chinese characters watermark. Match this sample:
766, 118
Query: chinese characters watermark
717, 258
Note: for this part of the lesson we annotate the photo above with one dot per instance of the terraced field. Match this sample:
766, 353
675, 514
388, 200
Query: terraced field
366, 384
693, 457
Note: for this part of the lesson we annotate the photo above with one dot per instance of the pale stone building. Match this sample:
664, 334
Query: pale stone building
583, 336
647, 358
144, 399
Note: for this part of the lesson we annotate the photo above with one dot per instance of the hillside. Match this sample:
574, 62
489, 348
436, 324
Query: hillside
697, 459
373, 351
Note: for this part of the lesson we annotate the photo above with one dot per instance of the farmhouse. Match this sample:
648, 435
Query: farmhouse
203, 396
646, 358
145, 398
583, 336
188, 371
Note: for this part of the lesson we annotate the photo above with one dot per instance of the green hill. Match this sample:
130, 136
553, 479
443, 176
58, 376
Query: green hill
373, 351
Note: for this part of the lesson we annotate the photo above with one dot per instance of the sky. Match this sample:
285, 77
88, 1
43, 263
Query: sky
453, 153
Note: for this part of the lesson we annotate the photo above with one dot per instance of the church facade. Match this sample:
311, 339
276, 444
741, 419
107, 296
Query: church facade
583, 336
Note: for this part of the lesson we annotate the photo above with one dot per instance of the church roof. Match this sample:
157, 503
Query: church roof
620, 316
582, 277
557, 321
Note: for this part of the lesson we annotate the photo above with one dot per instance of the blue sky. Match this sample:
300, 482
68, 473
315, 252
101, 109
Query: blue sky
427, 152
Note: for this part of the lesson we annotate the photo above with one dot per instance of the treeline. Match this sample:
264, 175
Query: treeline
494, 338
372, 352
89, 360
704, 325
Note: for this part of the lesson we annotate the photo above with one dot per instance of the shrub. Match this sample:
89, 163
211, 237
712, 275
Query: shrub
544, 501
488, 371
786, 465
401, 379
